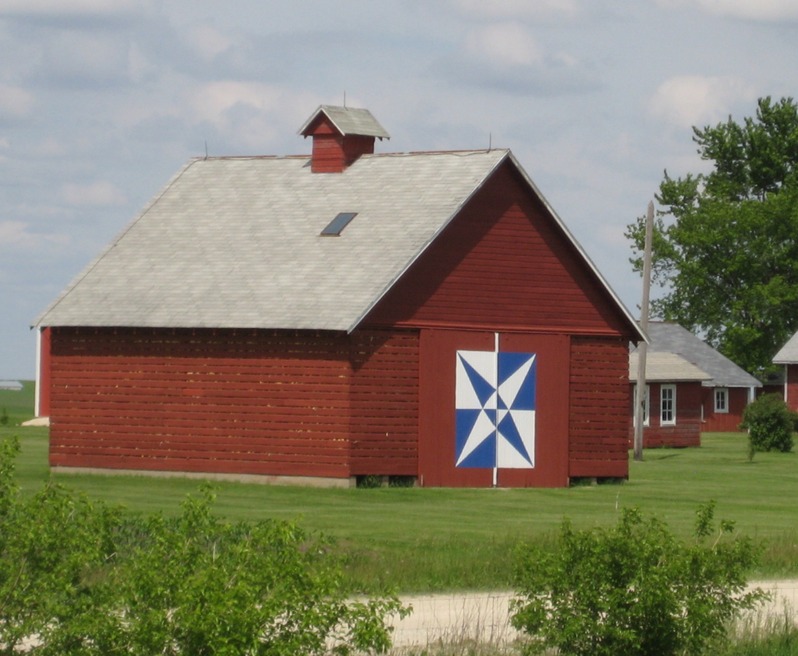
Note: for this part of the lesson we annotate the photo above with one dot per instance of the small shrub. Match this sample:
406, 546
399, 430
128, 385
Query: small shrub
633, 589
770, 425
369, 481
4, 419
401, 481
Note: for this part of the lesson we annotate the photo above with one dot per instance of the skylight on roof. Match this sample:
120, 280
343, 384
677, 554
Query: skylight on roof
336, 226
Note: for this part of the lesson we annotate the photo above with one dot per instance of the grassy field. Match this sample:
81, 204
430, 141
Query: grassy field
17, 405
443, 539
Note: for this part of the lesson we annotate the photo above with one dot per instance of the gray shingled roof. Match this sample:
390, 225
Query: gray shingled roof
349, 120
666, 367
788, 354
666, 337
234, 243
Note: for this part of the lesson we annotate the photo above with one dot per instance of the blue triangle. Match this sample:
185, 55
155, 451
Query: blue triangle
483, 457
511, 362
509, 431
525, 399
482, 388
464, 424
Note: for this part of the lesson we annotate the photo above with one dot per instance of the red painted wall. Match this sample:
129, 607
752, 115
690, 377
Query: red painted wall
687, 430
724, 421
384, 403
791, 385
228, 401
502, 263
599, 402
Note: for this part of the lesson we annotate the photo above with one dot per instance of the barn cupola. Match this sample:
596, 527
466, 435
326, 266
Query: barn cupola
340, 136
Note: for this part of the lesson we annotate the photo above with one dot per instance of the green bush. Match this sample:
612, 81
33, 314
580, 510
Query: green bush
770, 424
633, 589
85, 580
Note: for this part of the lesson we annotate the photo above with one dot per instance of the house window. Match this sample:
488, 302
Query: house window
721, 399
667, 405
646, 406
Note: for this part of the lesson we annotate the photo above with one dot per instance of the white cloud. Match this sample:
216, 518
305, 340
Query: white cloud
89, 56
16, 234
504, 44
688, 100
207, 41
211, 101
250, 113
15, 102
527, 9
759, 10
100, 193
39, 8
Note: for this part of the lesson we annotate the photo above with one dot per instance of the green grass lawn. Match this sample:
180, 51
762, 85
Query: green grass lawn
17, 406
439, 539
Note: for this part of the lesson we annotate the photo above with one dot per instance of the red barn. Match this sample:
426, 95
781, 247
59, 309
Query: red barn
421, 315
788, 357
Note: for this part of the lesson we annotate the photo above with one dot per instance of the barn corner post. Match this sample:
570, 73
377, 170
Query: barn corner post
640, 388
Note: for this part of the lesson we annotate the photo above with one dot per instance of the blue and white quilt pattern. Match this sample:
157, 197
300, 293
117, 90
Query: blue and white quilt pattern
495, 409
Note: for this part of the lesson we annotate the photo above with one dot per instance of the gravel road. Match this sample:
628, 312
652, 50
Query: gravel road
483, 617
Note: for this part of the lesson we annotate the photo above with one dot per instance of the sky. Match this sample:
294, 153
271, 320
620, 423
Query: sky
103, 101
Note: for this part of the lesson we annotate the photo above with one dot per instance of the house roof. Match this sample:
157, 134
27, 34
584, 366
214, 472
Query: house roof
788, 354
666, 367
235, 243
667, 337
348, 121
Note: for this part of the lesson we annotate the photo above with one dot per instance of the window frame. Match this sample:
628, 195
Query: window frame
723, 392
667, 415
646, 406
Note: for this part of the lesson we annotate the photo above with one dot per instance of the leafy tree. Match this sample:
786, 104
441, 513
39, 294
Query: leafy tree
725, 246
633, 589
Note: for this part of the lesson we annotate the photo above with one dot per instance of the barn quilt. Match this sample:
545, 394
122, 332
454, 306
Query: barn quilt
495, 409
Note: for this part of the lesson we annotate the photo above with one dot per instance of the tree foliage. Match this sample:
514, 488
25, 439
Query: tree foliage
78, 578
725, 244
634, 589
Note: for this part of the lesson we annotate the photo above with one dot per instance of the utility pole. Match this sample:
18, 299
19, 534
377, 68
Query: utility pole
642, 348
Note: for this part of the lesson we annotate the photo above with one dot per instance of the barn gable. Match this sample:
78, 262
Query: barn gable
504, 261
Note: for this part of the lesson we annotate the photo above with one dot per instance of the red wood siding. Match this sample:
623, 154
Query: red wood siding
599, 402
724, 421
501, 264
219, 401
791, 386
384, 403
437, 409
687, 429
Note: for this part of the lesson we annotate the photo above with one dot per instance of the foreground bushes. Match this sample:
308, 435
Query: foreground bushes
634, 589
79, 578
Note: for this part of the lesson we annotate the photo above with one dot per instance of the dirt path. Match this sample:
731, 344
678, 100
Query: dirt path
484, 617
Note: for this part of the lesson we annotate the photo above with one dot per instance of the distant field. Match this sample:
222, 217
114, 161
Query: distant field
445, 539
18, 404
